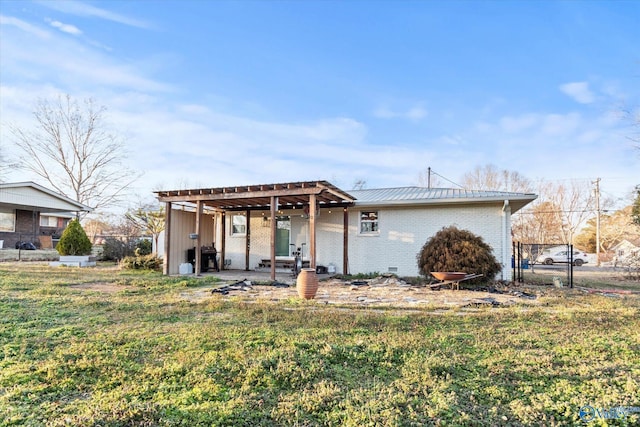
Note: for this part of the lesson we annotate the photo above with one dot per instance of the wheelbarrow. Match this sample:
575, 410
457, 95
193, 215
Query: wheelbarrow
452, 278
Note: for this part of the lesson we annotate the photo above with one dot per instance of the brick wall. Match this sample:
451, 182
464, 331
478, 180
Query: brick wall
25, 229
403, 232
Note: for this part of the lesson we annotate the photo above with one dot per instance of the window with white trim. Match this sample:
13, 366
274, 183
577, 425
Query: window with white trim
369, 222
7, 220
238, 225
48, 221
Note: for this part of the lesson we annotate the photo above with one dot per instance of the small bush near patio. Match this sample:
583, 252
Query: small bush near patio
141, 262
452, 249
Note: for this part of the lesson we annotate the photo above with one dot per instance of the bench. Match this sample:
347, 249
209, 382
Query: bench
282, 263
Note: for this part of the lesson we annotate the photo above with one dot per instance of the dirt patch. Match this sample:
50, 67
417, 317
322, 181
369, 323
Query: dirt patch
98, 287
379, 292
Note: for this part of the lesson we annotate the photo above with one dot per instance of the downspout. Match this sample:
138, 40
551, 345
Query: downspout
505, 242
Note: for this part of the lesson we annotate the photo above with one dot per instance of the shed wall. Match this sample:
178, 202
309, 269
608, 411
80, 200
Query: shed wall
183, 223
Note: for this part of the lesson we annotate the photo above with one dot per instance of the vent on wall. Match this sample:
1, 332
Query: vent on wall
393, 269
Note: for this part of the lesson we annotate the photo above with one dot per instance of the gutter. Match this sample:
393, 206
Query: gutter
505, 240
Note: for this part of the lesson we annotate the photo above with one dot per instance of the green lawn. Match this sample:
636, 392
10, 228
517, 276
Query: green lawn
143, 356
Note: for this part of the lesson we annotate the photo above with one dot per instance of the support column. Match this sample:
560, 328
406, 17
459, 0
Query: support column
223, 239
166, 263
247, 241
345, 241
198, 238
274, 209
312, 230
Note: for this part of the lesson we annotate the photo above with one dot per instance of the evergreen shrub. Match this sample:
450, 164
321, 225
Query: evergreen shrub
452, 249
143, 247
74, 240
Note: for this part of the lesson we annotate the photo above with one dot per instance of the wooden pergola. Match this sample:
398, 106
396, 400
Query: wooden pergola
310, 195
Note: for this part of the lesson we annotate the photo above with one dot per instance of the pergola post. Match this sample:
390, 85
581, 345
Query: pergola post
345, 241
247, 241
312, 230
274, 209
167, 239
198, 237
223, 239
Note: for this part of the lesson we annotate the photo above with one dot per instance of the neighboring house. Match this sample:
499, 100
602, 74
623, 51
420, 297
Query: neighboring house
626, 251
360, 231
30, 212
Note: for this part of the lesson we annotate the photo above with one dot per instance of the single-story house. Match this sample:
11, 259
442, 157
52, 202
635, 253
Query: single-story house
360, 231
626, 251
32, 213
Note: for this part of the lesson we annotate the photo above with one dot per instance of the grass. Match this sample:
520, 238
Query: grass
605, 279
142, 356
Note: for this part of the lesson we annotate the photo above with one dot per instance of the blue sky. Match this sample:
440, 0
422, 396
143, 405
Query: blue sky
215, 93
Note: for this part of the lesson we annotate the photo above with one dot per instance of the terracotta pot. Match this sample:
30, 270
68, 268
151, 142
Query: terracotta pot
307, 283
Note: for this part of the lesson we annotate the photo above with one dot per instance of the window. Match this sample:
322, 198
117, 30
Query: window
7, 220
48, 221
369, 222
238, 225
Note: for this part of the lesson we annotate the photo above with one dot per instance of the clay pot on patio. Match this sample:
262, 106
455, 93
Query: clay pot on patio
307, 283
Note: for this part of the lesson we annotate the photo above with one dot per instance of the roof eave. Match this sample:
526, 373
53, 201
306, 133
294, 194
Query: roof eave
80, 207
516, 203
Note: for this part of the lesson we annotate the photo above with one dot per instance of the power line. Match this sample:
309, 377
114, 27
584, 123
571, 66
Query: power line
431, 171
559, 211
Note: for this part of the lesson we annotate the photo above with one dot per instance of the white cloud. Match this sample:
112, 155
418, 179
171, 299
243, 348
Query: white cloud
561, 124
579, 91
66, 28
24, 26
415, 113
83, 9
67, 62
384, 113
519, 123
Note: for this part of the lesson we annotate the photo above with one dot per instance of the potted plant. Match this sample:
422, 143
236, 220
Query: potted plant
74, 247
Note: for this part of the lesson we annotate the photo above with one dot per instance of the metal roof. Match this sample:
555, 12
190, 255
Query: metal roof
294, 194
423, 195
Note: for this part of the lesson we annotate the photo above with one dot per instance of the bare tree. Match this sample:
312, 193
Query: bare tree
359, 184
148, 219
488, 177
538, 224
632, 116
95, 229
5, 164
72, 149
557, 214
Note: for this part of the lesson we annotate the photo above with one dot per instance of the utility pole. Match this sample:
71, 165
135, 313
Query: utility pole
597, 191
429, 177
